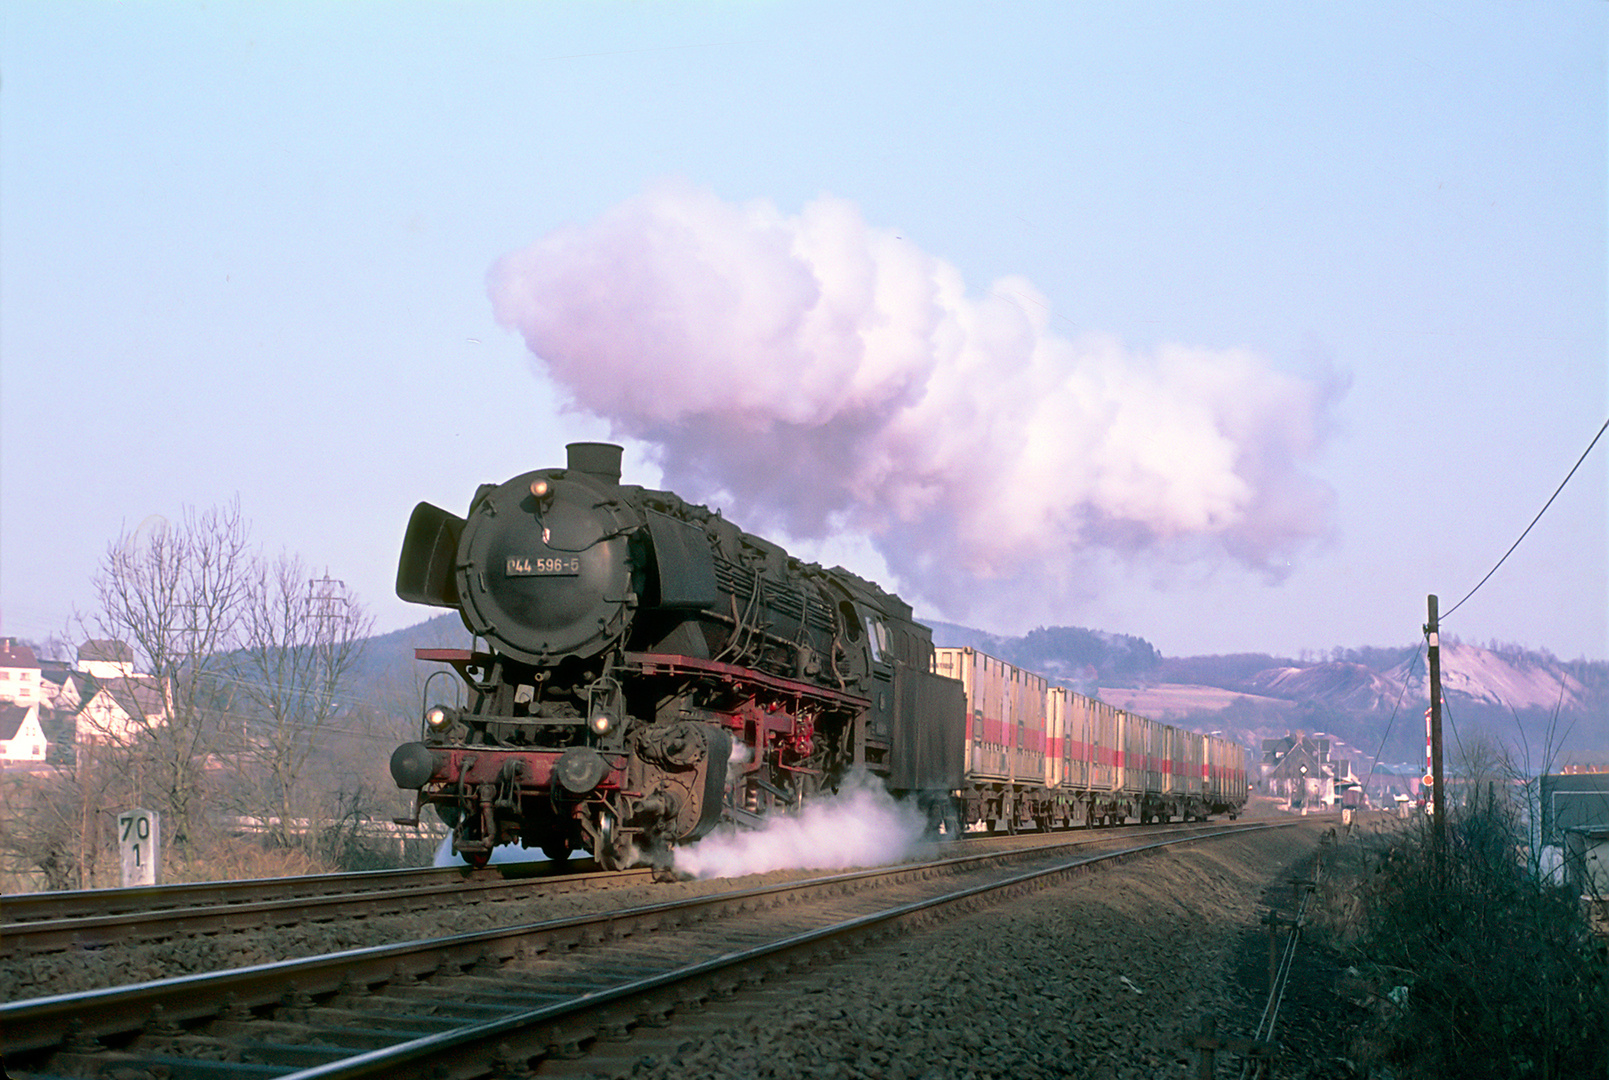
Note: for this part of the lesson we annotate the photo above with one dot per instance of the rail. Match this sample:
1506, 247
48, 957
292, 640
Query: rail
46, 922
526, 992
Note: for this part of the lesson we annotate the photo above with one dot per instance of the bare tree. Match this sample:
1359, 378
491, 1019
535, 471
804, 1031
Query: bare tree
56, 825
174, 594
301, 637
39, 835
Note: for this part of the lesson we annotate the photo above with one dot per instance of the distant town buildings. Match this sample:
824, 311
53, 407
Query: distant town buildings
98, 699
120, 704
1298, 769
21, 737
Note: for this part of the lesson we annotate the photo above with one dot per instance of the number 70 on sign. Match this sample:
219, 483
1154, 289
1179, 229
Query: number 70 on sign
139, 835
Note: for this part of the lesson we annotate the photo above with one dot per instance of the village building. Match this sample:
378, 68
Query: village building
1298, 769
110, 703
101, 658
122, 709
21, 737
19, 673
97, 698
63, 689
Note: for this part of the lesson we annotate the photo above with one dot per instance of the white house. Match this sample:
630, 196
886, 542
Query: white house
121, 709
118, 704
105, 659
21, 737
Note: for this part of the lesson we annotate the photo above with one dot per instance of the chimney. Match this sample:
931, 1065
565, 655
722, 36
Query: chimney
596, 459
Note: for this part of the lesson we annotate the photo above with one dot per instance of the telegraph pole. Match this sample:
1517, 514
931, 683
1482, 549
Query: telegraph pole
1438, 793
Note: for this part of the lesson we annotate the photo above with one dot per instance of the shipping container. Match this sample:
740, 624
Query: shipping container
1005, 715
1042, 756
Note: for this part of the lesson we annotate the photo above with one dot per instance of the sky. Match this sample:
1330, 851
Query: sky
1240, 327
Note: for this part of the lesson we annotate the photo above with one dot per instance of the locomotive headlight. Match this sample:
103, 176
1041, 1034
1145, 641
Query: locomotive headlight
601, 723
437, 718
540, 488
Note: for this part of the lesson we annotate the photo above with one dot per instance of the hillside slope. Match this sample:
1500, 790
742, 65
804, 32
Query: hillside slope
1527, 702
1543, 712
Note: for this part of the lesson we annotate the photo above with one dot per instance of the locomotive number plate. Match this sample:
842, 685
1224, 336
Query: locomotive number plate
543, 566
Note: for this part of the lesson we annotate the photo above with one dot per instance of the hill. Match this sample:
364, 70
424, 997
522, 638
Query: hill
1542, 710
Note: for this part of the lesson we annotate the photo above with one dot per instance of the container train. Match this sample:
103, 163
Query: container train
1043, 756
644, 670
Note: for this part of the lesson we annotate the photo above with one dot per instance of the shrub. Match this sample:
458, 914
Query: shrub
1479, 967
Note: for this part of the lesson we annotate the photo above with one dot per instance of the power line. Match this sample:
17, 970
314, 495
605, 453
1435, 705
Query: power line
1406, 679
1534, 520
1447, 708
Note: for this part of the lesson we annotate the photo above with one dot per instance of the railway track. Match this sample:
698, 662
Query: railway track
549, 992
37, 923
93, 919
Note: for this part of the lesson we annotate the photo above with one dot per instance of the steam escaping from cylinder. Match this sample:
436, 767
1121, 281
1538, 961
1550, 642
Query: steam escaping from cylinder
822, 376
860, 825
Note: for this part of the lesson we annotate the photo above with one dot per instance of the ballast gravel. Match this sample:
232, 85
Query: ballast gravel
1107, 977
74, 971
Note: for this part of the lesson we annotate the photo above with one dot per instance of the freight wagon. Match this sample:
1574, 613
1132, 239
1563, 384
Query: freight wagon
1041, 757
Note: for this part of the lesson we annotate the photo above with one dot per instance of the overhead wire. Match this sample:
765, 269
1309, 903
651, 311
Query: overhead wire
1447, 711
1406, 679
1511, 549
1534, 520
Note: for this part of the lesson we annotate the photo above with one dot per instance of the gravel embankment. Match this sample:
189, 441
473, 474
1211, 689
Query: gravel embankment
1107, 977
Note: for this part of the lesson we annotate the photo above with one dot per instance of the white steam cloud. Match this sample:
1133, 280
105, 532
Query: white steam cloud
824, 375
861, 825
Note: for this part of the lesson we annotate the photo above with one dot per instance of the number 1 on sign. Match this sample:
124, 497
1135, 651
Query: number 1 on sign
137, 833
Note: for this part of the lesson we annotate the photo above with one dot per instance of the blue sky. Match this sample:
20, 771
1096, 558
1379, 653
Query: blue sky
245, 249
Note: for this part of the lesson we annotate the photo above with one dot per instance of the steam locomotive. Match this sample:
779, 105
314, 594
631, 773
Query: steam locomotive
647, 670
643, 669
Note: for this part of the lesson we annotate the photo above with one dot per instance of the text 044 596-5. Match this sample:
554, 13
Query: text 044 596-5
543, 566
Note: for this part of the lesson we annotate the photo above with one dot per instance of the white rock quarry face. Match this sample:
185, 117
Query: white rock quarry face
1494, 678
1344, 684
1482, 675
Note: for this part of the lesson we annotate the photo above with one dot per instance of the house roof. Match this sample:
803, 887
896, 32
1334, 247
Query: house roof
137, 695
14, 654
1290, 767
61, 677
106, 650
1316, 748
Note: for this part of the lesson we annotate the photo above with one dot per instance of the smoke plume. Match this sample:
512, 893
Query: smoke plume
861, 825
817, 375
